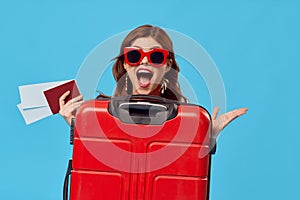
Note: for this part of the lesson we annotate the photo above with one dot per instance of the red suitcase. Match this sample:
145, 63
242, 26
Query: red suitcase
143, 148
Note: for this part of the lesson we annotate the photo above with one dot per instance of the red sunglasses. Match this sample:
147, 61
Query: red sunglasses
156, 57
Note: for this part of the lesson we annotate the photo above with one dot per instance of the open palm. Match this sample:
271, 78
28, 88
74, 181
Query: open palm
219, 123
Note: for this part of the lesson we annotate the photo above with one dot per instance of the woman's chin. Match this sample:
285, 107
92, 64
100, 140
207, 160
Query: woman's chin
142, 91
146, 91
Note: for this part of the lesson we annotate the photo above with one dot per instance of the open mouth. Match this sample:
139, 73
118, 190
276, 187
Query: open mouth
144, 77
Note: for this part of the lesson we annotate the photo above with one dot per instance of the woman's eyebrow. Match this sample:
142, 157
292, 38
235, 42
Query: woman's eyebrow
148, 48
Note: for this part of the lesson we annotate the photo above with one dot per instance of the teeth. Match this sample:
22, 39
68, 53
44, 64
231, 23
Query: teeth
144, 71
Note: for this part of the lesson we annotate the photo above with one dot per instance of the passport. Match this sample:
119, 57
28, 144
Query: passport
53, 94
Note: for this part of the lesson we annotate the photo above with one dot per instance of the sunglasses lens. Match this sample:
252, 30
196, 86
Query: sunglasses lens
157, 57
133, 56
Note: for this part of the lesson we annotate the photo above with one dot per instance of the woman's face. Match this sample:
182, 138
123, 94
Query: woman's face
145, 77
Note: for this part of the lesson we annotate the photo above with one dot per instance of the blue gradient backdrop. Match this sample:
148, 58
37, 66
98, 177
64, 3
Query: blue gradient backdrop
255, 45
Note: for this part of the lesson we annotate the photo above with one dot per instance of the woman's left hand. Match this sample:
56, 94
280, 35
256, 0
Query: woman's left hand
219, 123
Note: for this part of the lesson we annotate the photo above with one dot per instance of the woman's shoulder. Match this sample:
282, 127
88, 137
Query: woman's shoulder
103, 96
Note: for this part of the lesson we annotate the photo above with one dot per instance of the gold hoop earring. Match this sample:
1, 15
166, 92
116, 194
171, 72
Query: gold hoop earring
126, 83
164, 85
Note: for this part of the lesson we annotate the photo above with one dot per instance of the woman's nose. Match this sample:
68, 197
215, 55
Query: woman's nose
145, 60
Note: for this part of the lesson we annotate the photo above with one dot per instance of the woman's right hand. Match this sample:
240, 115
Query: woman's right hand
67, 110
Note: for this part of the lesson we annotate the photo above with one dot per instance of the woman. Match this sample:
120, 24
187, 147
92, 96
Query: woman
146, 65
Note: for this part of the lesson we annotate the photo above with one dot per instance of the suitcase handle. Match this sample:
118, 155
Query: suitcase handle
143, 109
66, 181
142, 113
145, 98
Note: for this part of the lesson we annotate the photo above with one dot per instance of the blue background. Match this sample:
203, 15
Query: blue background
254, 44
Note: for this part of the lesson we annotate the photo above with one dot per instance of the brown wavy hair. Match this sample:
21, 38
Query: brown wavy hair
173, 89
